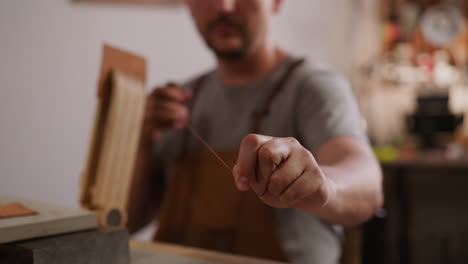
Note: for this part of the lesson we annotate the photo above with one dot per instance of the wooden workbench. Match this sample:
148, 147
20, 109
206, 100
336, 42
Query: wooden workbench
153, 252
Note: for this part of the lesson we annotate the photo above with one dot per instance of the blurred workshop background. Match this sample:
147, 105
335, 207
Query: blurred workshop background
407, 61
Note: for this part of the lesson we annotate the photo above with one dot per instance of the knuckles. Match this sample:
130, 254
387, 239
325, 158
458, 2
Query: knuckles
303, 153
251, 141
268, 154
292, 141
314, 172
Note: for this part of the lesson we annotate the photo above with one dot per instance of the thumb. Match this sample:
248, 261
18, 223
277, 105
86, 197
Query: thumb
241, 181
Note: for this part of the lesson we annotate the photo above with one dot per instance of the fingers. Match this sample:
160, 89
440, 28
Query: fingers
271, 155
169, 112
245, 169
166, 108
307, 191
171, 92
311, 189
289, 171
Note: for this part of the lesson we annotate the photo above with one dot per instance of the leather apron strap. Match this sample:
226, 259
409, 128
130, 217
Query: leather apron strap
280, 85
203, 208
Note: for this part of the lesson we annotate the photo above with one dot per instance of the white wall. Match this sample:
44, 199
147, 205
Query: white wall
49, 60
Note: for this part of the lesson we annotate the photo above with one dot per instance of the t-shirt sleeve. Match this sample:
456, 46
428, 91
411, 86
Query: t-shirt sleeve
326, 109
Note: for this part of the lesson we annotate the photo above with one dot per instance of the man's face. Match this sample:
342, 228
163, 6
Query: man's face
233, 28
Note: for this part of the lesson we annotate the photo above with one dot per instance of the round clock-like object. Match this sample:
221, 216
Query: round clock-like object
441, 24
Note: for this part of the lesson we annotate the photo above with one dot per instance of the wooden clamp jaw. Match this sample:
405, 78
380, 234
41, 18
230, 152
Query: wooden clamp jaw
114, 144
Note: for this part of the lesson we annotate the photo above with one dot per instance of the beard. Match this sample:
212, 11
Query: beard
232, 53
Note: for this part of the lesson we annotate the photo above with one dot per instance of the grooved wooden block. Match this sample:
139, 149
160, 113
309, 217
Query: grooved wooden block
112, 152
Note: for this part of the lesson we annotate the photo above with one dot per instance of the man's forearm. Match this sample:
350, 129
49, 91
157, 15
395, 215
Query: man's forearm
357, 181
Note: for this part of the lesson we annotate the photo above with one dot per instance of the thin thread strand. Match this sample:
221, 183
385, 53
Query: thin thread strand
209, 148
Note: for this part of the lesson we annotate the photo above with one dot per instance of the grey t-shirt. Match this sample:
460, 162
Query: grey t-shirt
314, 106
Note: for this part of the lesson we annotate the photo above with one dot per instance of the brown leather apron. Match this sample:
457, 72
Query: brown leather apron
203, 208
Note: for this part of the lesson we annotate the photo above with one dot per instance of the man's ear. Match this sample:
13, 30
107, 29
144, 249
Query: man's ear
277, 5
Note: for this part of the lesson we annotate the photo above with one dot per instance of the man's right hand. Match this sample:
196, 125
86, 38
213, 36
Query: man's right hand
166, 108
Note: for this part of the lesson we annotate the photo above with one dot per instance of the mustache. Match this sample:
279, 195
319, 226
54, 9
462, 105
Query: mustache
225, 20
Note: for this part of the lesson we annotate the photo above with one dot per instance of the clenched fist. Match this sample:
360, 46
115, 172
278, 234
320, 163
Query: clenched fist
166, 108
282, 173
